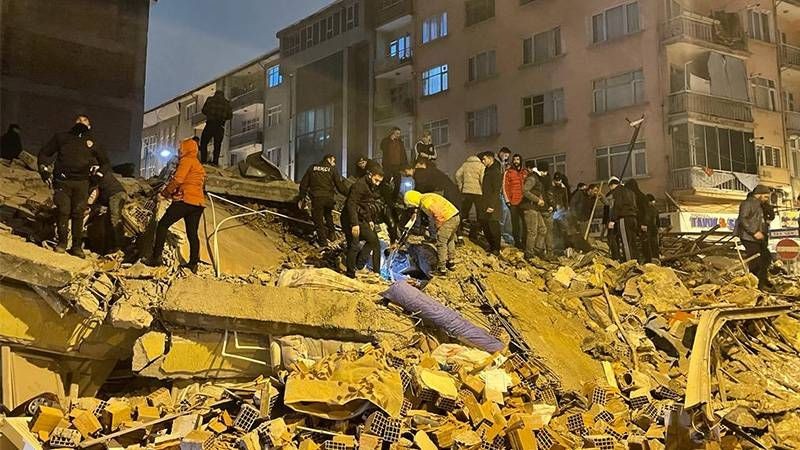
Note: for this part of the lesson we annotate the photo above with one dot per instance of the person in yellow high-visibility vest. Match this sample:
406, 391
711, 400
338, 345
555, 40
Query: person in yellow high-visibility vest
446, 217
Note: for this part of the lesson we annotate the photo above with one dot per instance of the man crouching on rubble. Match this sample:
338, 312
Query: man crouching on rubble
751, 229
358, 222
447, 219
186, 191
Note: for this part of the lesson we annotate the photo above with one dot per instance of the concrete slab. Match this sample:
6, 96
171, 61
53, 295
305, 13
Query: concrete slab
271, 191
29, 263
217, 305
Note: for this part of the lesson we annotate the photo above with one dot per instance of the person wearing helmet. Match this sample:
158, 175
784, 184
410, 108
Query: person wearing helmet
446, 217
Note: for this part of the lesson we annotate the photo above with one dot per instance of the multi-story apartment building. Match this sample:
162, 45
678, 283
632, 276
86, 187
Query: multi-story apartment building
259, 98
717, 81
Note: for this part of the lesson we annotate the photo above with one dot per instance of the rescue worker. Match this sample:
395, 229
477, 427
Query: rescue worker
751, 230
623, 216
513, 182
469, 179
533, 205
358, 221
321, 182
217, 110
75, 153
491, 201
186, 189
650, 245
445, 216
612, 234
113, 196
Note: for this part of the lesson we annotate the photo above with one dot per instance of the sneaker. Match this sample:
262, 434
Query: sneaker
77, 252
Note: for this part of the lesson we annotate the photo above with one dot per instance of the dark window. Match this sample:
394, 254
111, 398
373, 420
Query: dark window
479, 10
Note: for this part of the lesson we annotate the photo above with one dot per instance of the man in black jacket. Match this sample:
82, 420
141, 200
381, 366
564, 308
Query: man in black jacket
623, 217
359, 218
217, 110
75, 152
113, 196
321, 182
751, 228
650, 246
491, 201
11, 143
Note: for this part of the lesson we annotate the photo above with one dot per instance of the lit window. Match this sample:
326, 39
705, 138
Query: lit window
434, 27
542, 47
434, 80
618, 91
274, 77
543, 109
610, 161
481, 66
400, 48
615, 22
482, 123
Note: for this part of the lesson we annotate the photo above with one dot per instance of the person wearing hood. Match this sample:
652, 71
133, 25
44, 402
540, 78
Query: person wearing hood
491, 205
751, 229
217, 110
513, 182
359, 216
186, 189
650, 245
11, 143
321, 182
445, 217
469, 179
73, 154
623, 217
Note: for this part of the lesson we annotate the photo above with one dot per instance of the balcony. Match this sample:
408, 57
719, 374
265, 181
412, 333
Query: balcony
397, 109
702, 30
703, 181
709, 105
793, 122
254, 97
790, 56
254, 136
391, 10
391, 63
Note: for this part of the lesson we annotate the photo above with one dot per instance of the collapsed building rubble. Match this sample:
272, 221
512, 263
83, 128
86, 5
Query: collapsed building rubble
501, 353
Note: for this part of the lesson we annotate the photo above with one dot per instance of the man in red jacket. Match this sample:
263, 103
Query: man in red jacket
513, 181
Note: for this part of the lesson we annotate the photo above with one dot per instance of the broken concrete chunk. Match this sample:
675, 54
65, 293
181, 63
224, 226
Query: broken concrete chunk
148, 348
21, 261
126, 315
564, 275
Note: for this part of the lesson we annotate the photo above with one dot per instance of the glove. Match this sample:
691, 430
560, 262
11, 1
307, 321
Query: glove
46, 175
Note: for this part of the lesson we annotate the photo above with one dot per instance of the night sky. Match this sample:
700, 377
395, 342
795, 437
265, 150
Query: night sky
192, 41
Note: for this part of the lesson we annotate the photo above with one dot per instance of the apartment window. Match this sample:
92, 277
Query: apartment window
615, 22
618, 91
351, 17
557, 162
543, 108
274, 77
273, 155
481, 66
769, 156
479, 10
249, 124
764, 93
273, 116
759, 25
434, 80
482, 123
715, 148
400, 48
610, 161
542, 47
440, 131
434, 27
191, 110
794, 154
315, 130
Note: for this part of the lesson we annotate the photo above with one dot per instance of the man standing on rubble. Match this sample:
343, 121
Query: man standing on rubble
217, 110
186, 189
444, 215
513, 182
612, 235
358, 221
113, 196
321, 182
623, 217
650, 246
751, 229
75, 154
469, 179
534, 205
542, 171
491, 201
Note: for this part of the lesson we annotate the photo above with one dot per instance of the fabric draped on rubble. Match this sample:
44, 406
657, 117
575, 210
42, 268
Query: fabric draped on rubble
425, 307
323, 279
343, 386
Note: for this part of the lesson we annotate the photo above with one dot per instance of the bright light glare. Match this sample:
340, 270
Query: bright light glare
165, 153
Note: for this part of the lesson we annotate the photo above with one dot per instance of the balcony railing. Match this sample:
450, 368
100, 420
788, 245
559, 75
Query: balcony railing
397, 109
695, 29
394, 62
254, 97
706, 180
790, 56
793, 121
254, 136
389, 10
726, 108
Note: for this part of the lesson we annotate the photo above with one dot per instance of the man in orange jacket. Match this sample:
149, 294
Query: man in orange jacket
188, 200
513, 181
